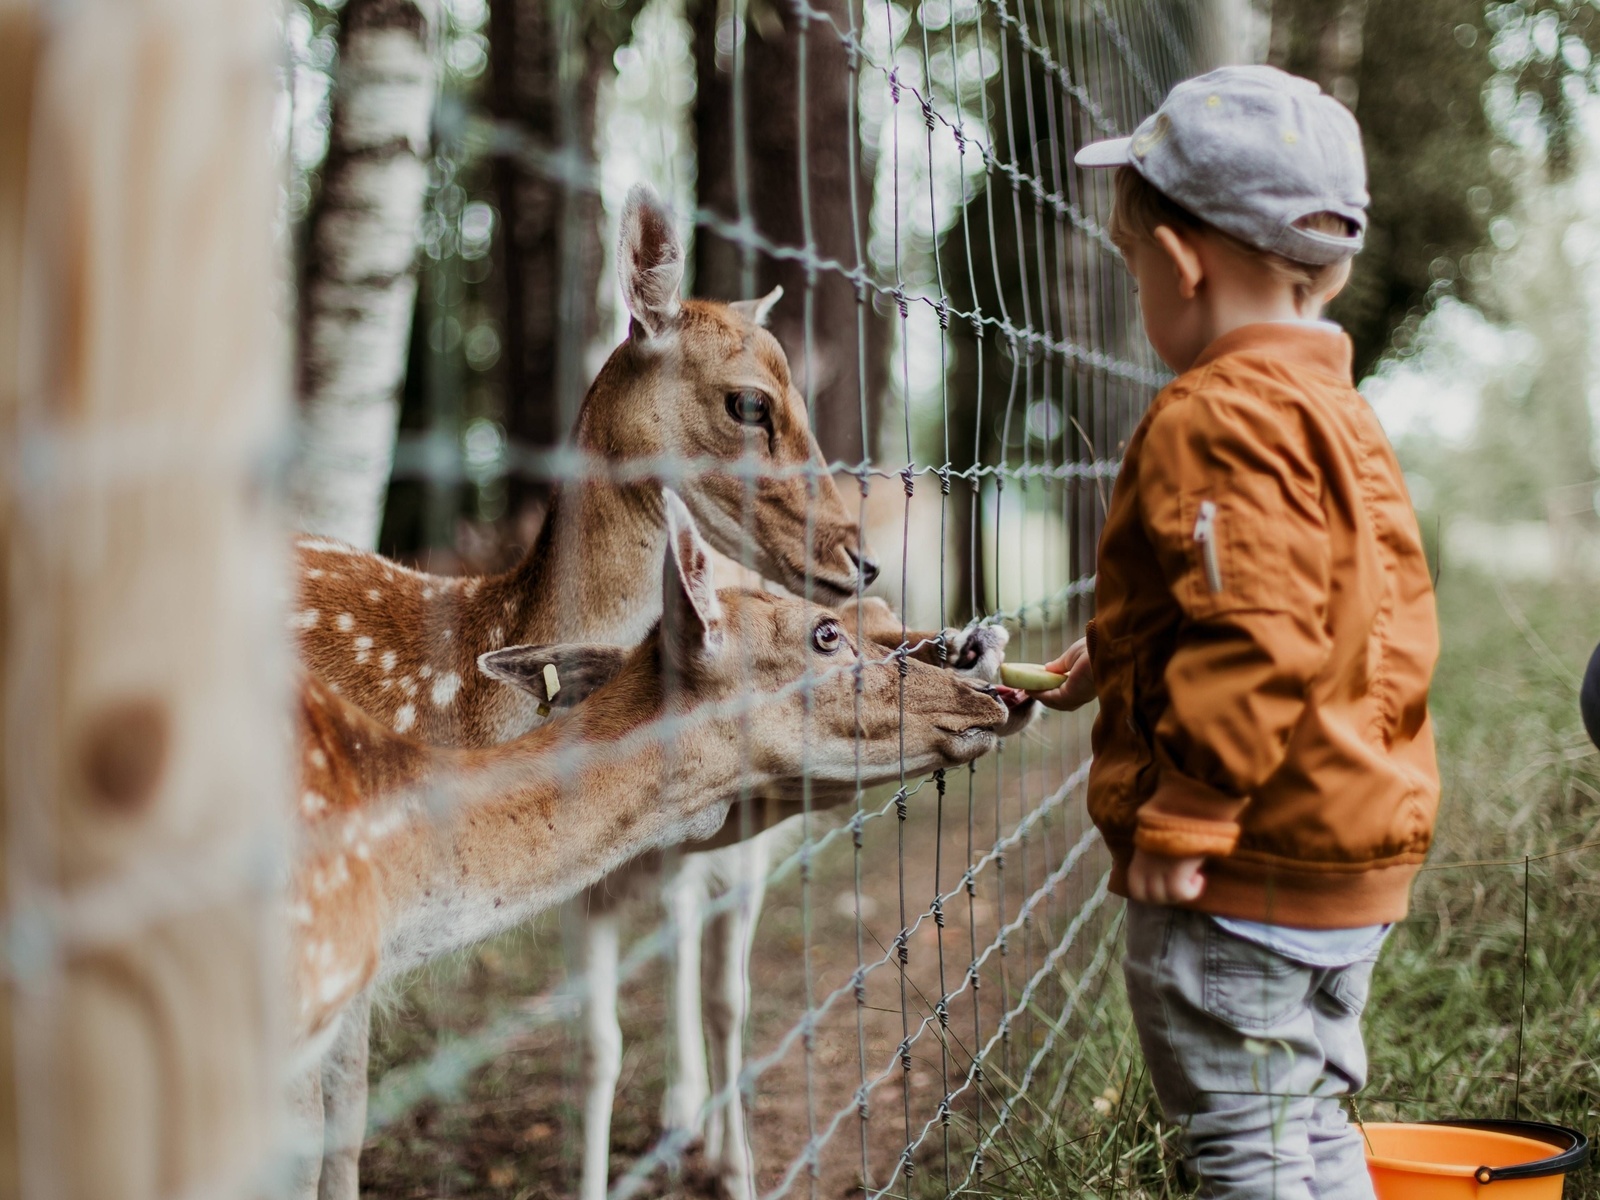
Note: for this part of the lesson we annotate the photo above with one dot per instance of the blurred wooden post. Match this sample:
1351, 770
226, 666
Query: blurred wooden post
142, 727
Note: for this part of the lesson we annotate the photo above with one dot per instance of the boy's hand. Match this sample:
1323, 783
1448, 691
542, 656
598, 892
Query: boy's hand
1078, 690
1157, 879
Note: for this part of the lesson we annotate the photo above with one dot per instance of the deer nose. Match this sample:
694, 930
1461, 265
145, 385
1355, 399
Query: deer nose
866, 565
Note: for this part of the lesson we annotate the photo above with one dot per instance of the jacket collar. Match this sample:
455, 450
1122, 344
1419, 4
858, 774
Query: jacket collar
1319, 346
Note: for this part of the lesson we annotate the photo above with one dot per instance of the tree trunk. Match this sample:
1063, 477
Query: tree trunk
843, 380
360, 286
548, 58
142, 731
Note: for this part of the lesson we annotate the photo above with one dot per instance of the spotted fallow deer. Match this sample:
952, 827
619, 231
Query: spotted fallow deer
412, 851
696, 382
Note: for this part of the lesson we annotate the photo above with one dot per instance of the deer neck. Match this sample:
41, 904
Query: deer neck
530, 823
593, 573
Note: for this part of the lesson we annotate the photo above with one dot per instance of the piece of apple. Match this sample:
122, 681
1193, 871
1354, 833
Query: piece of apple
1030, 677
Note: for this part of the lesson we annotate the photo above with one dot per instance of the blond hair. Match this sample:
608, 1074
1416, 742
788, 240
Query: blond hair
1139, 207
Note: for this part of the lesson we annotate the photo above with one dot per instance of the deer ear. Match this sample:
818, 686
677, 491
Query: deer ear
757, 311
690, 610
649, 261
560, 676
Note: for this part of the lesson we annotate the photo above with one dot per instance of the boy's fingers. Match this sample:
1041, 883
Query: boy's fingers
1069, 657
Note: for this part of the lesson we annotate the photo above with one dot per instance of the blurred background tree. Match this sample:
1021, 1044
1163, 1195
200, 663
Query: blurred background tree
751, 169
1422, 78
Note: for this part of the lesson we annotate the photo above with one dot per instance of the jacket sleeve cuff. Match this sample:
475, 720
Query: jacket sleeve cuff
1185, 818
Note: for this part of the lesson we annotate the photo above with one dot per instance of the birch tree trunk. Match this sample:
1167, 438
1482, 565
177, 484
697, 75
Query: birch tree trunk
142, 721
359, 287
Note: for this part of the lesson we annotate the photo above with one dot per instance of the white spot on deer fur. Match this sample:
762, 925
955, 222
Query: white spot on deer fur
424, 671
445, 689
345, 622
408, 685
312, 803
317, 758
388, 660
405, 718
334, 985
314, 573
427, 593
300, 914
448, 634
497, 638
379, 827
363, 648
335, 875
324, 546
306, 618
374, 594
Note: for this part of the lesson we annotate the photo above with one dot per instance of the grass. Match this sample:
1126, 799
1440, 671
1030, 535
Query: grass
1447, 1029
1468, 1017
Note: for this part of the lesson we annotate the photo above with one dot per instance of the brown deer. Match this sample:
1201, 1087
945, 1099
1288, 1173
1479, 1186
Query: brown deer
412, 851
700, 392
696, 383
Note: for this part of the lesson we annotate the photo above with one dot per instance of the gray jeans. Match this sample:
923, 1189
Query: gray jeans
1249, 1053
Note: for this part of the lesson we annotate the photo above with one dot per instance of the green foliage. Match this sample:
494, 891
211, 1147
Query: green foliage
1425, 78
1446, 1029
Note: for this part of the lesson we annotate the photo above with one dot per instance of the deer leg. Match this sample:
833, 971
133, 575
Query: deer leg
683, 1107
727, 1010
305, 1136
344, 1103
603, 1059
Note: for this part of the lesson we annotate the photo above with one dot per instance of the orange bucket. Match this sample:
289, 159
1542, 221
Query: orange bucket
1472, 1160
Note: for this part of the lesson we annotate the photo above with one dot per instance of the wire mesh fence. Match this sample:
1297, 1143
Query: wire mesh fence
885, 979
944, 939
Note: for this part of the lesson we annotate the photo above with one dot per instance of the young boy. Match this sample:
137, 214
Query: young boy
1264, 771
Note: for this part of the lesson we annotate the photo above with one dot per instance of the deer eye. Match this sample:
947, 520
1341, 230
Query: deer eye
826, 637
748, 407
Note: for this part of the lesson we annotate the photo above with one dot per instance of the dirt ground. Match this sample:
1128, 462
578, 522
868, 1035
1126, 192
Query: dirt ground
514, 1131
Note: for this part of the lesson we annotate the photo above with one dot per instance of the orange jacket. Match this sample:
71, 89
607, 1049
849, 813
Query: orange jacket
1264, 637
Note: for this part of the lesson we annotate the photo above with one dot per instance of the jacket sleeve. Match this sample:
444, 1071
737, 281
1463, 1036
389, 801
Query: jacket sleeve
1229, 495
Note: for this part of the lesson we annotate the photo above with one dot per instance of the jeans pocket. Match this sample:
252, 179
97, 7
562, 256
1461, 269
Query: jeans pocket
1348, 987
1247, 986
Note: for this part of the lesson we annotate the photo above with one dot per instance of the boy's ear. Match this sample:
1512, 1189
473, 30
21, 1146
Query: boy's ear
1336, 284
576, 671
1185, 260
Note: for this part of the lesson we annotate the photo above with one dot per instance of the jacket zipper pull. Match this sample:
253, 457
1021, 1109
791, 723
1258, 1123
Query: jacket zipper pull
1205, 534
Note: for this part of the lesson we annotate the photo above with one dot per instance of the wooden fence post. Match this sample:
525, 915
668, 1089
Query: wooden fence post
142, 716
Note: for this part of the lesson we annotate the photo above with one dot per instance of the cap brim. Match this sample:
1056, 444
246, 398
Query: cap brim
1113, 152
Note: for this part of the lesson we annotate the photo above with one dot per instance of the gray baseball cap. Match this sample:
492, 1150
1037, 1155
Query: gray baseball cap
1252, 150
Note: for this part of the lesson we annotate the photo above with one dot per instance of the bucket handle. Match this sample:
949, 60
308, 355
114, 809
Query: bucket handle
1573, 1149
